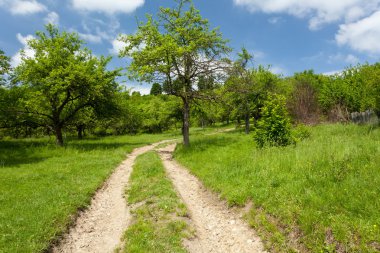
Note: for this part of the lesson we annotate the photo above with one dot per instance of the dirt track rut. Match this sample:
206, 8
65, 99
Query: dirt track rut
218, 229
100, 227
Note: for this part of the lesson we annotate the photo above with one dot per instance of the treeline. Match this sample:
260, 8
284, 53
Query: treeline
64, 88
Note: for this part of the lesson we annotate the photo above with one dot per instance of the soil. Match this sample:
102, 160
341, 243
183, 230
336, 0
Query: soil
218, 228
100, 227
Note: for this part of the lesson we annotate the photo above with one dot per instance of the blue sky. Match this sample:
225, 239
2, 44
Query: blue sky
290, 35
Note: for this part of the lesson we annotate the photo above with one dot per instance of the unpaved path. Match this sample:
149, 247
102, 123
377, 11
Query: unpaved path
100, 227
218, 229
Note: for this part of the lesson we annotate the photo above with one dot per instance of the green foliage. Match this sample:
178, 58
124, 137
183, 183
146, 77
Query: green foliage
303, 99
178, 47
61, 80
356, 89
43, 186
325, 187
156, 89
246, 88
273, 128
301, 132
157, 225
4, 67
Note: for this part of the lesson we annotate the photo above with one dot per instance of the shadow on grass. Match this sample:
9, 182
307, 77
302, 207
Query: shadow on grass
15, 153
103, 146
203, 144
18, 152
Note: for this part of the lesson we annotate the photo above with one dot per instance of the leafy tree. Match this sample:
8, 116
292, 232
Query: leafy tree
247, 86
176, 49
273, 128
4, 66
303, 100
62, 79
353, 90
156, 89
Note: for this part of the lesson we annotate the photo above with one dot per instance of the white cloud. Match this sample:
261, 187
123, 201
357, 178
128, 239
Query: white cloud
28, 52
117, 46
18, 7
139, 88
275, 20
92, 38
333, 73
52, 18
24, 39
350, 59
363, 35
277, 70
109, 6
319, 12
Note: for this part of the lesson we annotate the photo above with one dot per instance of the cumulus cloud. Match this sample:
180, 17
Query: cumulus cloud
319, 12
92, 38
278, 70
362, 35
52, 18
19, 7
109, 7
117, 46
27, 51
350, 59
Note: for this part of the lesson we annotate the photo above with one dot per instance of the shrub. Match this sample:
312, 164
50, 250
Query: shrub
300, 133
273, 128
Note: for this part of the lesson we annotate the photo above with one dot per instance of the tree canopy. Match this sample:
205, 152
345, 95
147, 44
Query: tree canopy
61, 80
4, 66
176, 48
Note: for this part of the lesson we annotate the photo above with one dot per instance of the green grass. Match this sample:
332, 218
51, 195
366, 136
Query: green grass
319, 196
157, 226
42, 186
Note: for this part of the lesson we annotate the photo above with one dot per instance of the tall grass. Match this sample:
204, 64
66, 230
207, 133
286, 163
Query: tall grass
42, 186
319, 196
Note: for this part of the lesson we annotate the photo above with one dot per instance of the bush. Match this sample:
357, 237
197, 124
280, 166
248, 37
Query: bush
273, 128
300, 133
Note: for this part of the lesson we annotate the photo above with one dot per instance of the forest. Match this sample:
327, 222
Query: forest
301, 150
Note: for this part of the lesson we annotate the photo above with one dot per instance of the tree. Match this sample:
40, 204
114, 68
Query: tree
176, 49
4, 66
61, 80
4, 70
246, 86
156, 89
303, 100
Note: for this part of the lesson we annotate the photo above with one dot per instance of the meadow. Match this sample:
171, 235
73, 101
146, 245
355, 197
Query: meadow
320, 195
43, 186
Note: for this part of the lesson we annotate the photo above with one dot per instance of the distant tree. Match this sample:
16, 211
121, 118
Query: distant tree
156, 89
4, 94
176, 49
303, 100
4, 66
61, 80
247, 86
356, 89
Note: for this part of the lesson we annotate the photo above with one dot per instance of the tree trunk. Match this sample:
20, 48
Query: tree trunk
247, 126
186, 122
58, 135
80, 130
